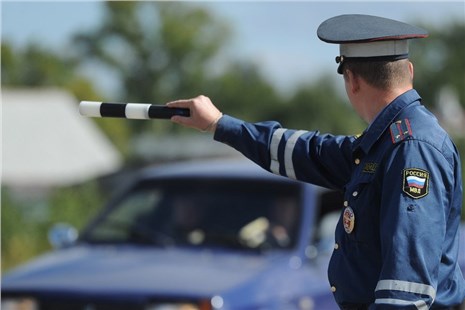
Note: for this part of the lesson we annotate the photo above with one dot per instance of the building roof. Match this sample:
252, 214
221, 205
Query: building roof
46, 142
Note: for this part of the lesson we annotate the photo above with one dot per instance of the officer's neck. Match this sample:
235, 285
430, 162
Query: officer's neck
375, 100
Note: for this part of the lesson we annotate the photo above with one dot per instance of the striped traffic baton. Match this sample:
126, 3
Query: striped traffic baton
129, 110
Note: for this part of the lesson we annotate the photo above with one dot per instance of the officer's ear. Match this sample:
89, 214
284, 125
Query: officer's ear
352, 81
412, 72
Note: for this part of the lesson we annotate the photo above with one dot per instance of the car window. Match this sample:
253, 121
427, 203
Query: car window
231, 213
329, 211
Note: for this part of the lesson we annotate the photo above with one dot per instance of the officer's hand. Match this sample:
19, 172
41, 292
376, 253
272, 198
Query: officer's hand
203, 114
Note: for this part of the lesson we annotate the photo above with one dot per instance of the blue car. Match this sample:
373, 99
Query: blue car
199, 235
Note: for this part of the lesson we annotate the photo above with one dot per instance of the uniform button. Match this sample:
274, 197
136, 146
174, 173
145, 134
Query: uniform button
357, 161
336, 246
346, 203
355, 194
333, 289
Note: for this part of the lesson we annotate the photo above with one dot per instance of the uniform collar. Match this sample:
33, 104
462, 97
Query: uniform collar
385, 119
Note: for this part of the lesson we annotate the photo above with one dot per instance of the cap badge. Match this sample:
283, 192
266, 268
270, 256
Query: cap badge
348, 220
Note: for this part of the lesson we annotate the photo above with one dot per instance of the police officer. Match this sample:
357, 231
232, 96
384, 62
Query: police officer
396, 242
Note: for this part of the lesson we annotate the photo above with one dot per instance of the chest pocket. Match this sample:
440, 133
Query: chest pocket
362, 196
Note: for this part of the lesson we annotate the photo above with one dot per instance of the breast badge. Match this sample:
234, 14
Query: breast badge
348, 219
415, 182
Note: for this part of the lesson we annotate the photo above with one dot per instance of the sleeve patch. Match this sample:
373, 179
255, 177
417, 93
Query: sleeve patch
415, 182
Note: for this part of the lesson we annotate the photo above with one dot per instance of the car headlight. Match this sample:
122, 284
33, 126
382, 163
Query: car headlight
19, 304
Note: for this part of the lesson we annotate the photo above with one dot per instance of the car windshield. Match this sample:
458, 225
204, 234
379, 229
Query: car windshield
227, 213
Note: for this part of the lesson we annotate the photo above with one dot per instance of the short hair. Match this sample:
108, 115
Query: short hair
381, 74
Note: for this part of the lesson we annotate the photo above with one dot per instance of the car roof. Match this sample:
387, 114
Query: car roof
222, 168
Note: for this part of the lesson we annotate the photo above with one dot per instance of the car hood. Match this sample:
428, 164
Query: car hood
102, 270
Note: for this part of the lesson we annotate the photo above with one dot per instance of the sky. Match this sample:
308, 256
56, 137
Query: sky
279, 36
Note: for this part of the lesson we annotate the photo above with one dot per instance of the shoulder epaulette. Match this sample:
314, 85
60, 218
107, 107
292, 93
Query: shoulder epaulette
400, 130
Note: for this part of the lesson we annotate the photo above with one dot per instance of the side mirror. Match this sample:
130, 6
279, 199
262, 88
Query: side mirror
62, 235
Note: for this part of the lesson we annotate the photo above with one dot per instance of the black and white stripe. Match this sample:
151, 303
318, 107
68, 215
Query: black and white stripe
129, 110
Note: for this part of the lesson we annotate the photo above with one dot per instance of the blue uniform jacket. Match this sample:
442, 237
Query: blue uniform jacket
396, 243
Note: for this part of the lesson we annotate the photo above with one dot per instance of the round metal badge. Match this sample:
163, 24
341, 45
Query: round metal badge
349, 220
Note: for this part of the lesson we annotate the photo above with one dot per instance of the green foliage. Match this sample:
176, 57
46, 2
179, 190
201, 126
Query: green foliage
32, 67
157, 58
25, 222
241, 91
20, 235
35, 66
439, 62
320, 107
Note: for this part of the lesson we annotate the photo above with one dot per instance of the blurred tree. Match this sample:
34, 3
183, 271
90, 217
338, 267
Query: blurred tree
25, 222
242, 91
439, 61
35, 66
321, 107
158, 51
